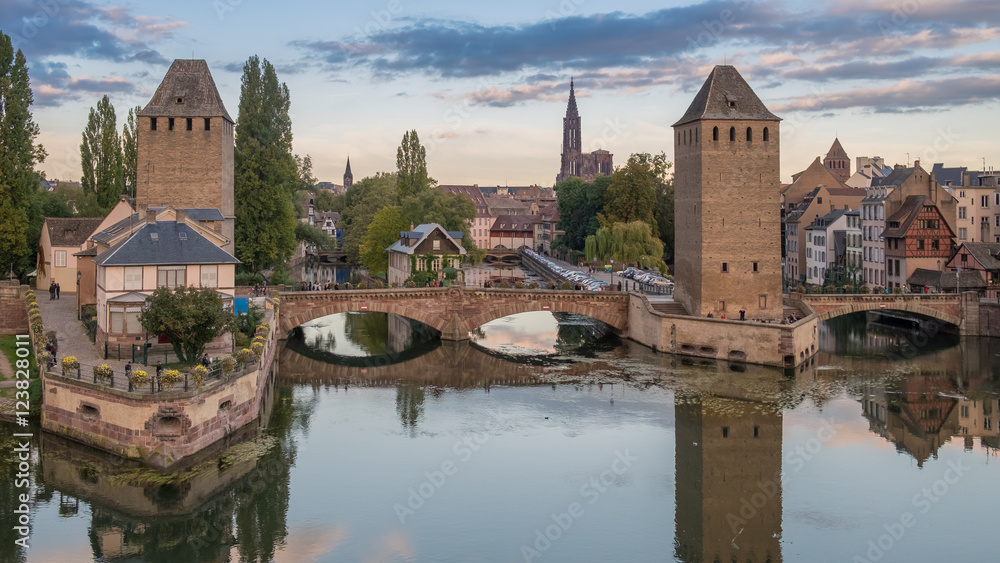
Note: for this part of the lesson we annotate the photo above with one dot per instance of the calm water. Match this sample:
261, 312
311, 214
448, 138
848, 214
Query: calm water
547, 441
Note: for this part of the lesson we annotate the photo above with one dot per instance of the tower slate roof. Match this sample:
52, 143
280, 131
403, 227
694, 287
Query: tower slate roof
726, 95
347, 171
190, 81
837, 151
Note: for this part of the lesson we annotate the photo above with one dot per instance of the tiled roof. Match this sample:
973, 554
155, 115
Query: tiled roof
905, 216
191, 81
71, 231
986, 253
726, 95
894, 179
923, 277
92, 251
837, 151
163, 243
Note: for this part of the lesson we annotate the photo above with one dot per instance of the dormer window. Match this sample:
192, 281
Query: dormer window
180, 100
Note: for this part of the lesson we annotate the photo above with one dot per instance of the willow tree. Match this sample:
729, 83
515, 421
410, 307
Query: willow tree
18, 156
628, 243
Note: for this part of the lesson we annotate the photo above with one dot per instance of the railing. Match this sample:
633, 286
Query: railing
121, 382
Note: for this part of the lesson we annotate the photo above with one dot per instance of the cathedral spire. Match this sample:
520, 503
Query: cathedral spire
571, 106
348, 177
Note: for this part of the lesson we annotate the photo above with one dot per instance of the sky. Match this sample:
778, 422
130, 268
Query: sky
485, 84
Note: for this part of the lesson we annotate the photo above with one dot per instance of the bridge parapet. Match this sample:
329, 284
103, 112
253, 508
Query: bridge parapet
959, 310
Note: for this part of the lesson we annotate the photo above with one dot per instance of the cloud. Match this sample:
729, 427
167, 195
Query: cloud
902, 96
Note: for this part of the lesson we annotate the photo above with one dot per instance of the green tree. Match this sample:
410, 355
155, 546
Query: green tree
364, 200
627, 243
579, 204
101, 155
383, 230
665, 218
326, 201
631, 196
304, 167
190, 318
266, 173
18, 156
130, 151
411, 166
310, 234
452, 211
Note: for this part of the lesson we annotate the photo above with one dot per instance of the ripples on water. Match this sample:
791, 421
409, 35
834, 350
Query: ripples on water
389, 445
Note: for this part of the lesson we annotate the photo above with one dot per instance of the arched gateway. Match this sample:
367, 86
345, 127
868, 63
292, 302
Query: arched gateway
454, 311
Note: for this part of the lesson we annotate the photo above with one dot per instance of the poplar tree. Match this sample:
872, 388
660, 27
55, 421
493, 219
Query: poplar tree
266, 172
18, 156
101, 155
411, 166
130, 151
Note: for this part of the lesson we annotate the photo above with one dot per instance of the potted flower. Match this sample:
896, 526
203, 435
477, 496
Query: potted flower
139, 378
102, 373
69, 365
169, 378
244, 355
257, 348
228, 363
199, 374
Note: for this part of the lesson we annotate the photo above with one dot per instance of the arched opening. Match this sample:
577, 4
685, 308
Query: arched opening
886, 332
715, 133
168, 425
89, 413
732, 134
749, 134
766, 135
544, 333
366, 338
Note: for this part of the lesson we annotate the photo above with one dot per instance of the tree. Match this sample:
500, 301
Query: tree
628, 243
18, 156
130, 151
383, 230
101, 155
364, 200
411, 166
315, 236
326, 201
665, 218
454, 212
579, 204
266, 173
189, 317
304, 167
631, 196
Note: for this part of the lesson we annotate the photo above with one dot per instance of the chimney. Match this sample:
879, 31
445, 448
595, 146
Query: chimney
151, 216
180, 216
141, 209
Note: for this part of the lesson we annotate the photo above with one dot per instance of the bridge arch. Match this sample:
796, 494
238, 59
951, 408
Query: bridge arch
453, 311
945, 308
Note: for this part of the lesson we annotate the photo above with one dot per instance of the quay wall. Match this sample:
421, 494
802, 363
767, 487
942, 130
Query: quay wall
159, 429
741, 341
989, 319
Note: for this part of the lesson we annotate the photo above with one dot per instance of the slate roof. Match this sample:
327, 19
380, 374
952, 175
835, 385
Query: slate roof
923, 277
167, 247
190, 80
726, 95
905, 215
92, 251
948, 176
986, 253
130, 297
197, 214
837, 151
515, 223
895, 178
419, 233
498, 205
71, 231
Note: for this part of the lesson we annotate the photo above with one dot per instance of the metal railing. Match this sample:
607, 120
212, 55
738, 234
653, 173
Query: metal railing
119, 380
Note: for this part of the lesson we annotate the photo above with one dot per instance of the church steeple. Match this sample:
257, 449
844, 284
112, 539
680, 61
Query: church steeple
348, 177
571, 125
571, 106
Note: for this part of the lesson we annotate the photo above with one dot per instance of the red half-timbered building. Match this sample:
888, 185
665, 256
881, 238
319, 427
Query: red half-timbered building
916, 236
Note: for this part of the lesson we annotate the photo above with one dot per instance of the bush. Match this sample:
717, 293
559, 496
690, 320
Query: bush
362, 284
800, 288
257, 338
244, 355
139, 378
198, 375
504, 285
102, 372
411, 284
169, 378
815, 290
257, 348
44, 358
379, 284
519, 285
249, 278
533, 285
242, 341
897, 290
565, 285
550, 285
348, 285
69, 365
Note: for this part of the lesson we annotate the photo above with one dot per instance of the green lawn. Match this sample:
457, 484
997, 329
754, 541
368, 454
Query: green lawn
8, 343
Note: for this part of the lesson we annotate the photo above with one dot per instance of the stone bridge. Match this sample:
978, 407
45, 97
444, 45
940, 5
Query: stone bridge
959, 310
454, 311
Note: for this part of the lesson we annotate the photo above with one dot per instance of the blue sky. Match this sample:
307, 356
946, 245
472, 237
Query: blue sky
485, 84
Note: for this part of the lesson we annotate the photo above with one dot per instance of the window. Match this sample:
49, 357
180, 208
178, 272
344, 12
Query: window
133, 278
170, 276
208, 124
962, 233
59, 260
984, 201
732, 134
436, 245
725, 429
920, 244
152, 124
754, 266
819, 200
767, 137
749, 134
996, 220
961, 193
762, 301
725, 268
170, 123
210, 276
190, 124
180, 100
935, 245
132, 324
962, 213
715, 133
117, 321
996, 198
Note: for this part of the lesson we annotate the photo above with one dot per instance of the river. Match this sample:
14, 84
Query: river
547, 439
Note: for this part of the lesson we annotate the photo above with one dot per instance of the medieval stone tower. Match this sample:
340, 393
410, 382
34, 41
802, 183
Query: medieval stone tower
186, 141
727, 211
573, 161
837, 161
348, 177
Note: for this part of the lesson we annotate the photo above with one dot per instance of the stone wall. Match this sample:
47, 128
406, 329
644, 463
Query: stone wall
989, 319
742, 341
159, 429
13, 309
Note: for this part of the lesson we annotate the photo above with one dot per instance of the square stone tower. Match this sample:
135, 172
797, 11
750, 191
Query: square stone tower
727, 202
186, 141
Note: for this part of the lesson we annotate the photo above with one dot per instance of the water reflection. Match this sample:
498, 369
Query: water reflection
737, 479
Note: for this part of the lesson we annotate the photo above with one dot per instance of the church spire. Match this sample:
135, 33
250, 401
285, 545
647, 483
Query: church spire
348, 177
571, 106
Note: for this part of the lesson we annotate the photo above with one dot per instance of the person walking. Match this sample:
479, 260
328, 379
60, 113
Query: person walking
57, 291
52, 291
159, 370
743, 314
128, 370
